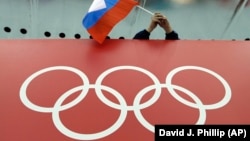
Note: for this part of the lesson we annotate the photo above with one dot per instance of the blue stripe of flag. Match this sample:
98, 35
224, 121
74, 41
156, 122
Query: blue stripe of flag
91, 18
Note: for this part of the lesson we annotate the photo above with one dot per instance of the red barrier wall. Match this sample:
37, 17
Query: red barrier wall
80, 90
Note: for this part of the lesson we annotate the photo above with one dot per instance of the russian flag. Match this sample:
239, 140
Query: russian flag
103, 15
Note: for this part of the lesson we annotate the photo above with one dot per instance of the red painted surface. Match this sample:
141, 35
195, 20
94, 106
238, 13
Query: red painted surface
19, 59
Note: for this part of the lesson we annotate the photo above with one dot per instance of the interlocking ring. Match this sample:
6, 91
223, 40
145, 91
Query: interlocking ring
122, 106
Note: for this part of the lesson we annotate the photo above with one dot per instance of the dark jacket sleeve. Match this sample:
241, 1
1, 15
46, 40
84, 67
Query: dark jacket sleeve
172, 36
144, 35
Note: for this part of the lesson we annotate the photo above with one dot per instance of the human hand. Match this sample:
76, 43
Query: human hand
159, 19
164, 23
155, 19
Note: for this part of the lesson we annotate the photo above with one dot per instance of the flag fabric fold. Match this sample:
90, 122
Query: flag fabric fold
103, 15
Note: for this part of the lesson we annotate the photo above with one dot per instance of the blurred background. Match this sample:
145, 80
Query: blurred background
192, 19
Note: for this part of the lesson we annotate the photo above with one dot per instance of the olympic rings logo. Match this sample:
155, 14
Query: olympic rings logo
122, 106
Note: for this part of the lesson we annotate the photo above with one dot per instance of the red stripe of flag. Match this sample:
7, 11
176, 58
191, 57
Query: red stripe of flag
103, 27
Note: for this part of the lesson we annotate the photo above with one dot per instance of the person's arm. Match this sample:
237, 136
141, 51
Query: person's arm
144, 34
170, 34
158, 18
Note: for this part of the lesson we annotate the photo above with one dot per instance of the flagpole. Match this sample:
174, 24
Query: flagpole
149, 12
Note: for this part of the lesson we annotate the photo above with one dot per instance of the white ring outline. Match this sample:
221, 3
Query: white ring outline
150, 127
129, 108
80, 136
32, 106
220, 104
